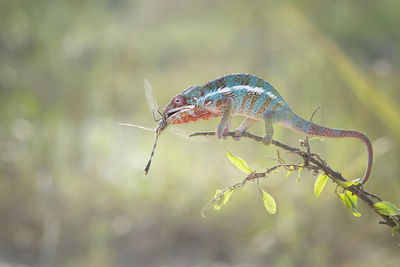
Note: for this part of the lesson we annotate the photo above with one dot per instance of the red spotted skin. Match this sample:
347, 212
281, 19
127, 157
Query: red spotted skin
197, 114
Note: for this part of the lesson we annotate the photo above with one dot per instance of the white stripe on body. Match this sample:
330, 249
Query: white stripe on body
227, 90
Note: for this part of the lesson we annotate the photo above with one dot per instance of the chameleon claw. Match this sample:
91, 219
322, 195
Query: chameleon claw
222, 131
225, 133
267, 139
237, 135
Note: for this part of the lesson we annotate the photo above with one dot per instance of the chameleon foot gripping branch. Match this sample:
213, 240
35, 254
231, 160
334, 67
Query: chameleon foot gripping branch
252, 97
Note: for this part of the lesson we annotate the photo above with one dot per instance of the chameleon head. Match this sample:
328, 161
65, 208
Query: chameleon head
178, 110
183, 108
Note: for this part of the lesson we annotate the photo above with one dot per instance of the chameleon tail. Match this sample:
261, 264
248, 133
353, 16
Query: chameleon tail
302, 126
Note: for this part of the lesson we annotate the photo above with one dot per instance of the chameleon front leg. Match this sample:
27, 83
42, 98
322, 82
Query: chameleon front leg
223, 126
225, 132
243, 127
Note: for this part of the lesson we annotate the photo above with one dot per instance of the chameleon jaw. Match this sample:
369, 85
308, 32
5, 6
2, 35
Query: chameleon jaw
173, 113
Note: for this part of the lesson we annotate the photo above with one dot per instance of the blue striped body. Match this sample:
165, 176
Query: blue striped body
253, 97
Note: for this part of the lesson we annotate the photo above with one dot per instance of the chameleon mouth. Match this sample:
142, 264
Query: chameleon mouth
174, 112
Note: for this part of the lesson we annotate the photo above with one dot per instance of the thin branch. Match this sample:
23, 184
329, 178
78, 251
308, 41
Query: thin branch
315, 162
306, 143
313, 159
315, 111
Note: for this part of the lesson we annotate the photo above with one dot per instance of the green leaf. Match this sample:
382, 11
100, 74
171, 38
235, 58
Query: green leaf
348, 184
320, 183
395, 229
269, 202
239, 163
350, 201
228, 194
220, 201
289, 172
387, 208
223, 199
287, 175
298, 174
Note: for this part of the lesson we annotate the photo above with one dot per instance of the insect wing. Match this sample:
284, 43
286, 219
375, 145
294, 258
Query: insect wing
151, 101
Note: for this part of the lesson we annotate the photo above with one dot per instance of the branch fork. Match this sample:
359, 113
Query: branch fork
312, 162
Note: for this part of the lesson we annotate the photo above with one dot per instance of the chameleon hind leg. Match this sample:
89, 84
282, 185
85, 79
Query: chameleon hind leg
224, 124
269, 130
243, 127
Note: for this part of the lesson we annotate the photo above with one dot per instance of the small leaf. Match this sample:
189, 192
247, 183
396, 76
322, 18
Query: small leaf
227, 195
387, 208
223, 199
239, 163
395, 229
287, 175
348, 184
220, 201
298, 174
269, 202
291, 169
350, 201
320, 183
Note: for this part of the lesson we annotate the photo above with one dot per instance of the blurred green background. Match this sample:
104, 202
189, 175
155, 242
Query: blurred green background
72, 191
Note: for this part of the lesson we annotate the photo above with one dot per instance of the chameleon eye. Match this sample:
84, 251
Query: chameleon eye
179, 101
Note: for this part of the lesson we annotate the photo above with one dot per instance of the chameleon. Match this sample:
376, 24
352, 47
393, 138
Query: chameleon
255, 99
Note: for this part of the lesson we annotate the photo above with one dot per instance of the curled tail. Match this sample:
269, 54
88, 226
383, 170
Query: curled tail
302, 126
